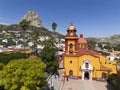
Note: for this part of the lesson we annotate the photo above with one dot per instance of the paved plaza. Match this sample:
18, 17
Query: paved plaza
78, 84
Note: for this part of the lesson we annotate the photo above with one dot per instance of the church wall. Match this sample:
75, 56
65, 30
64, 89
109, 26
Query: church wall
113, 66
71, 63
94, 62
77, 63
110, 64
103, 60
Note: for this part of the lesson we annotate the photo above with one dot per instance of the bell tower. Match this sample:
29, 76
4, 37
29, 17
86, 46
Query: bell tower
71, 40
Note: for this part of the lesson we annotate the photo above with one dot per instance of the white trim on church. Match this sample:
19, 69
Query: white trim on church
87, 69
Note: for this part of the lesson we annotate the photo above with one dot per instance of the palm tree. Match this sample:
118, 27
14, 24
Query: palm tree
54, 25
24, 25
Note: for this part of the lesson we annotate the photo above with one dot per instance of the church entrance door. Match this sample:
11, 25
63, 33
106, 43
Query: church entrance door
70, 73
86, 76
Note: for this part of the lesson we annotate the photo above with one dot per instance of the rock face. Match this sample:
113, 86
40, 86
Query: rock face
34, 18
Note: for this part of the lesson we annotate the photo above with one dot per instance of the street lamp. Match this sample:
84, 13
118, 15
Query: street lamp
52, 86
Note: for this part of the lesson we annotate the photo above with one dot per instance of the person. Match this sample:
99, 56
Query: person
55, 75
67, 79
52, 87
58, 74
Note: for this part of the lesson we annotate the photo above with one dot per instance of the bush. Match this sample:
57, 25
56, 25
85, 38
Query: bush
114, 80
23, 74
6, 57
1, 66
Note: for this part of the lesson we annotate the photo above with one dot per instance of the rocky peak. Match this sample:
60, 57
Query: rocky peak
34, 18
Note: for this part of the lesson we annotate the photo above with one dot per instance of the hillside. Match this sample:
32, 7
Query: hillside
114, 39
17, 29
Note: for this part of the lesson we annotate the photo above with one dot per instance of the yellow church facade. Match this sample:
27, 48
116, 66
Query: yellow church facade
84, 63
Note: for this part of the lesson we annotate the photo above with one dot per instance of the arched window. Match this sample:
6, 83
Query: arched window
81, 46
70, 73
71, 48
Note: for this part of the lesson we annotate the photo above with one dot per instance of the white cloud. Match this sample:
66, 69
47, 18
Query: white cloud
4, 23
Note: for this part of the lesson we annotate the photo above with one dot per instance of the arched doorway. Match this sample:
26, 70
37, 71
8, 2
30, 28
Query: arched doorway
104, 75
70, 73
86, 76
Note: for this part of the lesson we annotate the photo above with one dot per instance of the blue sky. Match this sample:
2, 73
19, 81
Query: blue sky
93, 18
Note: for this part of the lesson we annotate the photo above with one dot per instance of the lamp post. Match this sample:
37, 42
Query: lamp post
52, 86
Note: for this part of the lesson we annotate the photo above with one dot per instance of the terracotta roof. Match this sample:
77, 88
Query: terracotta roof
60, 59
16, 49
81, 40
33, 57
83, 51
60, 49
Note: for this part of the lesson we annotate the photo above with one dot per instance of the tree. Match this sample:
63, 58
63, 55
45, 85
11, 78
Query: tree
8, 56
1, 66
48, 56
10, 42
108, 47
24, 25
117, 47
91, 44
54, 25
23, 74
49, 42
35, 40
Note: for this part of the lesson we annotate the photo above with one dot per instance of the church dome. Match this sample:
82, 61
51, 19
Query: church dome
81, 40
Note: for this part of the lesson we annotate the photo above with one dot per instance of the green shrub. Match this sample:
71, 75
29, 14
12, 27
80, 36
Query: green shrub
23, 74
6, 57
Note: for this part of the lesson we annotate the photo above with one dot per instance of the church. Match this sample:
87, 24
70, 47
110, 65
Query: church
81, 62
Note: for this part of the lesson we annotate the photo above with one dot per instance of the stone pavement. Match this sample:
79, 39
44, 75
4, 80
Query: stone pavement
56, 82
78, 84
